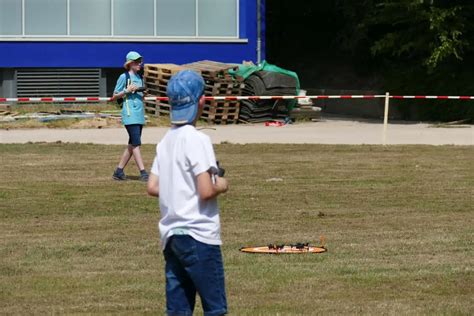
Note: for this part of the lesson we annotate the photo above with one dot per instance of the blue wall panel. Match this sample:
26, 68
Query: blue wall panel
112, 54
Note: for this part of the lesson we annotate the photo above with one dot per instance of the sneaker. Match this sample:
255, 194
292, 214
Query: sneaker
144, 176
119, 175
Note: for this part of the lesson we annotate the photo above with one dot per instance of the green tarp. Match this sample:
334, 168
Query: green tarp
246, 71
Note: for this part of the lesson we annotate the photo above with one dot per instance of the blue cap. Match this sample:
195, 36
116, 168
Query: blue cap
131, 56
184, 90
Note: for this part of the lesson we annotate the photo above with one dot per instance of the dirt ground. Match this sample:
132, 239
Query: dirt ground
334, 131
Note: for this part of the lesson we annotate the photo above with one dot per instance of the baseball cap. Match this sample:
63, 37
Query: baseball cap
184, 90
131, 56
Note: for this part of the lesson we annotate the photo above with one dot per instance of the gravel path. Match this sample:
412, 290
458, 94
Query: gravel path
325, 132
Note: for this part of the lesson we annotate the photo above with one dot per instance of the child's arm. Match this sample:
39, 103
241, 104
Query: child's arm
121, 87
209, 190
130, 89
153, 185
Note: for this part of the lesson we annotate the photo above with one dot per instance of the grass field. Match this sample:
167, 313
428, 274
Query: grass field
399, 224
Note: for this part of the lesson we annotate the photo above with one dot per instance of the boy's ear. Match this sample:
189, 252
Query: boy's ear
201, 101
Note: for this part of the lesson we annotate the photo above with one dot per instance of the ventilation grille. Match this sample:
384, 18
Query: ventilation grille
58, 82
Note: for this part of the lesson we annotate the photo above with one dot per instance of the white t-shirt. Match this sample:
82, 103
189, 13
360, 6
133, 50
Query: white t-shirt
181, 156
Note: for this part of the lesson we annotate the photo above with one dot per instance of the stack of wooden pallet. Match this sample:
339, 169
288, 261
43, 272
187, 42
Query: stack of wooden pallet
218, 83
156, 79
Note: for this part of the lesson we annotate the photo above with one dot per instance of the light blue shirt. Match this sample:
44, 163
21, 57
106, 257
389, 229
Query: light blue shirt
132, 107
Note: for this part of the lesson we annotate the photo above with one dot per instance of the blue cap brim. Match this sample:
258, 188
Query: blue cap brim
184, 114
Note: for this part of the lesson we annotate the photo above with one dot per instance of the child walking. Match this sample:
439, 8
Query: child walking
129, 87
184, 177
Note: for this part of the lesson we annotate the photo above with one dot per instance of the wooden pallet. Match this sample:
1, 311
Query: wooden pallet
217, 82
227, 113
161, 71
156, 77
216, 66
223, 89
221, 83
220, 120
157, 108
212, 70
221, 112
156, 87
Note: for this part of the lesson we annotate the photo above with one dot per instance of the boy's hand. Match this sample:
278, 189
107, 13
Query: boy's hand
222, 185
209, 189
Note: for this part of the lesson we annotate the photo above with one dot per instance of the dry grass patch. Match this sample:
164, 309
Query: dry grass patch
398, 221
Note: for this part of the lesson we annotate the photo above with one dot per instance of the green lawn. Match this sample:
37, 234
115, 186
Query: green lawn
399, 225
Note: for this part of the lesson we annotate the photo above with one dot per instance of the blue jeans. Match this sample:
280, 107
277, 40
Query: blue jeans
192, 266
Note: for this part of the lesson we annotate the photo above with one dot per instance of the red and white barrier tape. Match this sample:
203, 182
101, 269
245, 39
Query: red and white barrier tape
439, 97
236, 98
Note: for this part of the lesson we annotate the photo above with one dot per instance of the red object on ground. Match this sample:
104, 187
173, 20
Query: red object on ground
276, 124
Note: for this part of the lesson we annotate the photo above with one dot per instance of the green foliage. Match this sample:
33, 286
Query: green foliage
415, 29
420, 46
448, 29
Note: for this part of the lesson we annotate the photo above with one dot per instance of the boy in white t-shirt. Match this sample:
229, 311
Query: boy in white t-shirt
184, 177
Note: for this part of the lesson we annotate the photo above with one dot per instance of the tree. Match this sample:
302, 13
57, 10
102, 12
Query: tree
423, 44
426, 31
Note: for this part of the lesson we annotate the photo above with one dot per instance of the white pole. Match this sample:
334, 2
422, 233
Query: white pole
259, 32
385, 118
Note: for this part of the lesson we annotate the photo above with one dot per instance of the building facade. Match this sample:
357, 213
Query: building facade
77, 47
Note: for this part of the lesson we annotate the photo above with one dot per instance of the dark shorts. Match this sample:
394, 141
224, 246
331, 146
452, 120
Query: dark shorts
134, 134
192, 266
